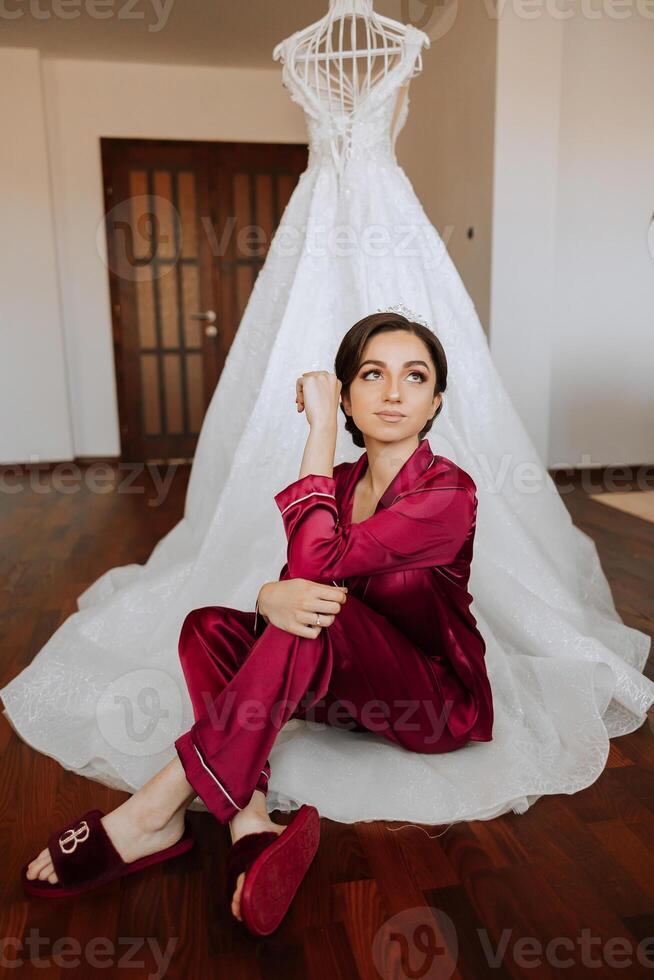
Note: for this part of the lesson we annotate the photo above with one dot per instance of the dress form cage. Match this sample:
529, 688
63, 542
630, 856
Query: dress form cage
343, 57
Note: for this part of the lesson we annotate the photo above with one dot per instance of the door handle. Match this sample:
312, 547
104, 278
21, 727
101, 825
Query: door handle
208, 315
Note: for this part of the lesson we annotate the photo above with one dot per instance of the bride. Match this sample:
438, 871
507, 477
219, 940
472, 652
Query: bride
106, 695
400, 532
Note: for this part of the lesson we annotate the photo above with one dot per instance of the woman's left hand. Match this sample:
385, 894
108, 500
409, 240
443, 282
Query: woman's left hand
318, 393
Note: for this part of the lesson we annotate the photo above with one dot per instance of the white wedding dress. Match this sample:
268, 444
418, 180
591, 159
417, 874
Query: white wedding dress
106, 695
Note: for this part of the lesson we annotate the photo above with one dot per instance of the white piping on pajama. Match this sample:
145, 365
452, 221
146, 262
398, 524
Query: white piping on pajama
216, 780
263, 773
314, 493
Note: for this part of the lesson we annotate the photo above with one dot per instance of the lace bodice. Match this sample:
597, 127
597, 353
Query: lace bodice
364, 132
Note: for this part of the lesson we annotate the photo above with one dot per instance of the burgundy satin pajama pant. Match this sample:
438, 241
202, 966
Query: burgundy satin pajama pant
359, 673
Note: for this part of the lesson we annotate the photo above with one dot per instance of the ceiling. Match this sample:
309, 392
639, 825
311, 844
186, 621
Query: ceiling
193, 32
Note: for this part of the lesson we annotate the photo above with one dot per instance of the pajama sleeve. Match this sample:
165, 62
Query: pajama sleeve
426, 526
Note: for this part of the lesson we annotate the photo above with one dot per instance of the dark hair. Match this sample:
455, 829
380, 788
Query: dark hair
348, 358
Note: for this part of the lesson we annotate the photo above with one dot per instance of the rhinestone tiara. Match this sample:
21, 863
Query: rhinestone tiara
405, 311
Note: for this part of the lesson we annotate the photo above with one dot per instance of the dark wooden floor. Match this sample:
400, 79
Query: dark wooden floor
378, 900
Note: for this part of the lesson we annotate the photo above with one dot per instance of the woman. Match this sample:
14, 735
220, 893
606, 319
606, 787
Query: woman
394, 647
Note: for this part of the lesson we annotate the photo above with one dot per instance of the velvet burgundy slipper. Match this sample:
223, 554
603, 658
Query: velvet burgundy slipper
275, 865
84, 857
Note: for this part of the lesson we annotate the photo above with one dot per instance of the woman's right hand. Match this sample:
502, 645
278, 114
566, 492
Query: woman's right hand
292, 605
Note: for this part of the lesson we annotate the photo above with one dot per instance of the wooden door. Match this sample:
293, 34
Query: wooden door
188, 226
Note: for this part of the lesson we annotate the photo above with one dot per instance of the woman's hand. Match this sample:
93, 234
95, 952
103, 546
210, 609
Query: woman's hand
292, 605
318, 393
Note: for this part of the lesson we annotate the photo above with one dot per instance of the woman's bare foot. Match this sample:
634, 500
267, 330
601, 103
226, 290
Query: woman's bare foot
133, 834
253, 819
150, 820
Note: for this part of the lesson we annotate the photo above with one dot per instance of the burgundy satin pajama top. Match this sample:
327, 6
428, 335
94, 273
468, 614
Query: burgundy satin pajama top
410, 561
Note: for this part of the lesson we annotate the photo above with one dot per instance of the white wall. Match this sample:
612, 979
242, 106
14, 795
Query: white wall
34, 413
572, 283
447, 142
603, 336
527, 125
